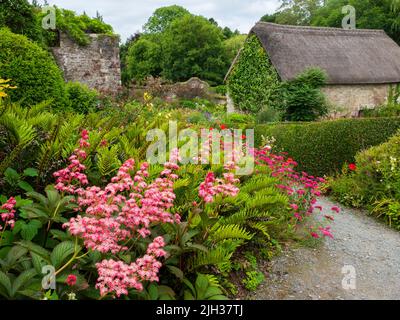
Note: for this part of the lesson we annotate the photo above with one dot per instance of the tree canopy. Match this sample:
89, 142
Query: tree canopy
178, 45
163, 17
370, 14
193, 47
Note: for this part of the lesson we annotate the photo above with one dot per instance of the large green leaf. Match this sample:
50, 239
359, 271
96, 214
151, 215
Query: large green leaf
30, 172
37, 262
153, 291
202, 285
7, 239
5, 282
32, 247
61, 252
28, 230
22, 280
211, 292
176, 271
12, 176
25, 186
14, 255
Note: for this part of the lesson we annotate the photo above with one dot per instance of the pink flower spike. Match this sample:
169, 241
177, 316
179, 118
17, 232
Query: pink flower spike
326, 232
335, 209
314, 235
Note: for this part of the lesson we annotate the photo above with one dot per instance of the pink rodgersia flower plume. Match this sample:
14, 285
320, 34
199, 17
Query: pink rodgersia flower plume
124, 209
71, 176
8, 216
118, 277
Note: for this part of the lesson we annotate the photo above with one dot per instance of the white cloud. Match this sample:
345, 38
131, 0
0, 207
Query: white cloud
128, 16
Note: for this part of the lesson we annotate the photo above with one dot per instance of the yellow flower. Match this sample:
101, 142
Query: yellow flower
147, 97
4, 85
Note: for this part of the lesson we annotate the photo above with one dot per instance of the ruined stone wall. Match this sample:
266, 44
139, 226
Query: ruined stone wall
348, 100
96, 65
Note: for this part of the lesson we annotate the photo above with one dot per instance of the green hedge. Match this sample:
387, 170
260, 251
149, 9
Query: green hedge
322, 148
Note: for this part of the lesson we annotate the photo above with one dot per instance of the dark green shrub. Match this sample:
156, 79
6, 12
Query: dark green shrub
321, 148
253, 82
375, 182
31, 69
189, 104
81, 98
268, 115
238, 121
302, 98
221, 90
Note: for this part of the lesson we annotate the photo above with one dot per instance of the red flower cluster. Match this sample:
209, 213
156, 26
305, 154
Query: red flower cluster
303, 189
352, 167
71, 280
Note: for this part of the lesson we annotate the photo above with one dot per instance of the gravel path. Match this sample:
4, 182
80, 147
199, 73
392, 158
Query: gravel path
362, 242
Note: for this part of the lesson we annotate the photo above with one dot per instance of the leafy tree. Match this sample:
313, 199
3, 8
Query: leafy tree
294, 12
143, 59
19, 17
370, 14
123, 54
163, 17
233, 45
192, 46
228, 33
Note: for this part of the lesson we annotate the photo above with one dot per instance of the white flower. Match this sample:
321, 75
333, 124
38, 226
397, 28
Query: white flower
71, 296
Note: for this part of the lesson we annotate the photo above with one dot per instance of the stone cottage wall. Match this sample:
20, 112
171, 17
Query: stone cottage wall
348, 100
96, 65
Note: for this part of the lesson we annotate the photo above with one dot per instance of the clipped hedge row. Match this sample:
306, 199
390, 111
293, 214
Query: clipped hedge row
322, 148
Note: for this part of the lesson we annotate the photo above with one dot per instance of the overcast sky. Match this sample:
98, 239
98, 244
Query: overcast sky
128, 16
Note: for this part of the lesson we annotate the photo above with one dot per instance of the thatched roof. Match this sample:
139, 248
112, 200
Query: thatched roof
348, 56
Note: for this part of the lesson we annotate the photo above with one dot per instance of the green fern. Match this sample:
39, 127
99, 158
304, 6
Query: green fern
21, 134
262, 227
257, 183
230, 231
107, 160
244, 215
219, 256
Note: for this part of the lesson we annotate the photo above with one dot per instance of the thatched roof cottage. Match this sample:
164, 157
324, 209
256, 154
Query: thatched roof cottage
360, 64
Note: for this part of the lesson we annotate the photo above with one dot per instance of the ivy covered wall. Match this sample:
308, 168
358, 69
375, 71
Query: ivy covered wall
253, 83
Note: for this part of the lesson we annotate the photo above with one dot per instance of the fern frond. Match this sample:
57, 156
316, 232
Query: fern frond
266, 202
107, 160
257, 183
262, 227
243, 216
230, 231
22, 133
213, 280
